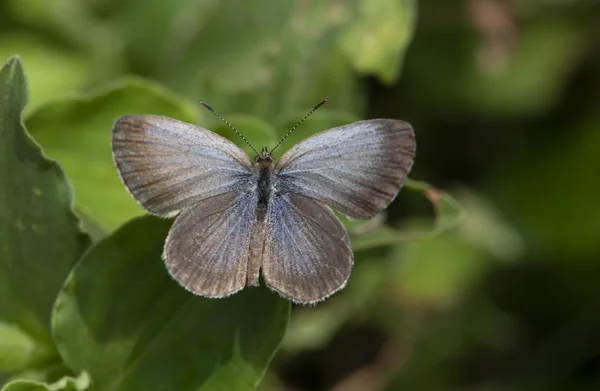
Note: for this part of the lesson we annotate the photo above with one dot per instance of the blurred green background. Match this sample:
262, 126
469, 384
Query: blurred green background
504, 97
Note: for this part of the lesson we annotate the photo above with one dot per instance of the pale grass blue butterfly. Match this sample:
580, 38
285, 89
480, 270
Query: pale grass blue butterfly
237, 219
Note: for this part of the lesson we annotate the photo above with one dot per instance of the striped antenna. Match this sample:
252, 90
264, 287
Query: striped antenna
321, 103
203, 103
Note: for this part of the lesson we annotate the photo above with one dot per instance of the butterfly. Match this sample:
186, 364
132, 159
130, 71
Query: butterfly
238, 219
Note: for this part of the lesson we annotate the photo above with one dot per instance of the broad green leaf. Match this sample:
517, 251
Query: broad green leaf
376, 41
76, 132
122, 318
16, 348
41, 237
262, 57
288, 64
67, 383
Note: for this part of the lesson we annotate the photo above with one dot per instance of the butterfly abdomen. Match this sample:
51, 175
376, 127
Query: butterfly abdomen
259, 233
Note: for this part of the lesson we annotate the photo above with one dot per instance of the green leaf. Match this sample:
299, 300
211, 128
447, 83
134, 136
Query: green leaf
376, 41
49, 371
16, 348
380, 237
41, 237
448, 211
262, 57
373, 233
122, 318
76, 132
67, 383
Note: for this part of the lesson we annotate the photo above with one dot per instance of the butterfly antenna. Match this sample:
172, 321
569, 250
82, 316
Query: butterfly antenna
203, 103
321, 103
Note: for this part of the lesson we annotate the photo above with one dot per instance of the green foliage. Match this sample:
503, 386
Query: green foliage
492, 284
41, 239
119, 315
67, 383
228, 343
124, 320
76, 130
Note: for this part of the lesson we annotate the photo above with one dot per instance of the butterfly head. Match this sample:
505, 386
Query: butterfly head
264, 158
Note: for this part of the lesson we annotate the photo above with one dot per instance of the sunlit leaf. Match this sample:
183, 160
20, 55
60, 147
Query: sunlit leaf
16, 348
67, 383
76, 132
122, 318
41, 237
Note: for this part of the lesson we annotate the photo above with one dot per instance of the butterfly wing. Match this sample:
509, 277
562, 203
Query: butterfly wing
207, 248
169, 165
357, 169
307, 255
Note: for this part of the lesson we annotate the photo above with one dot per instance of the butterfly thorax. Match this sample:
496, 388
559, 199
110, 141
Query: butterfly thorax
263, 165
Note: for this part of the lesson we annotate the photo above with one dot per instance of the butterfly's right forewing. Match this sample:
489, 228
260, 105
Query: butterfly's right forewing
169, 165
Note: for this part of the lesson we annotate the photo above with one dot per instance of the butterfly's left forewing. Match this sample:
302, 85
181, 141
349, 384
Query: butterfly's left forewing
357, 169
